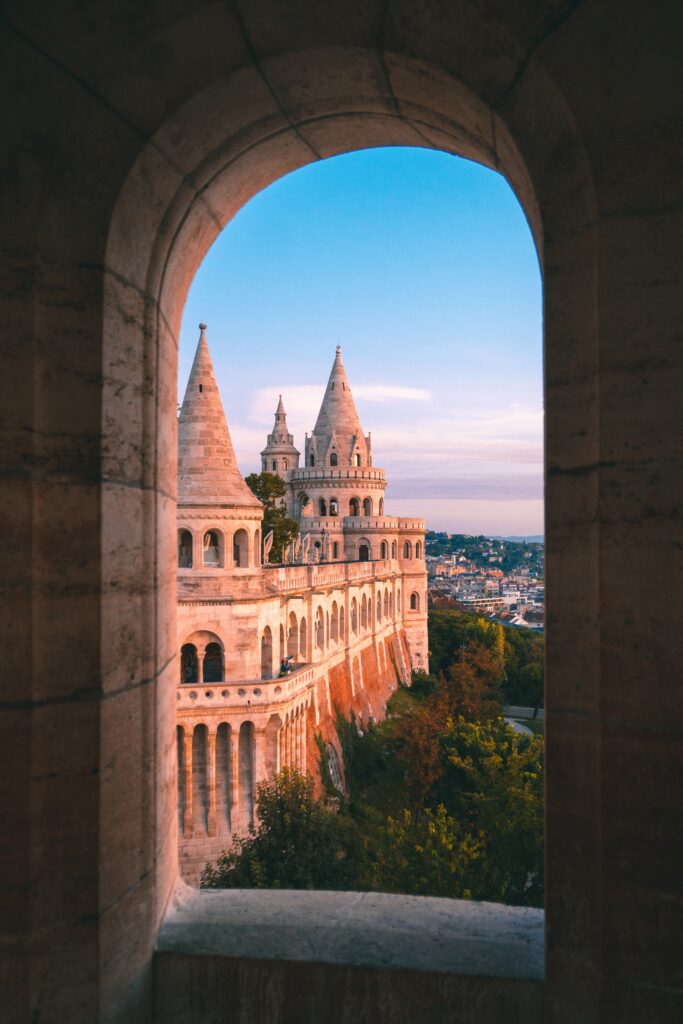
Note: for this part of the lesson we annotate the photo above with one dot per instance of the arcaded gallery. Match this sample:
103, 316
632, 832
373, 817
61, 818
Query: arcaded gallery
133, 134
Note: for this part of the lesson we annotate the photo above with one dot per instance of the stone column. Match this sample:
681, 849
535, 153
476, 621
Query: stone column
200, 665
211, 781
188, 822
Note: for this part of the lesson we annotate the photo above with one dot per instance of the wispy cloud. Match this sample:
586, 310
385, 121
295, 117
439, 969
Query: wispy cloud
390, 393
302, 401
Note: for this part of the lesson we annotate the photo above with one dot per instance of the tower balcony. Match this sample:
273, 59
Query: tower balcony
327, 474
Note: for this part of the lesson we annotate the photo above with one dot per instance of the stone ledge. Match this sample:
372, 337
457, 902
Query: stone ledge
419, 933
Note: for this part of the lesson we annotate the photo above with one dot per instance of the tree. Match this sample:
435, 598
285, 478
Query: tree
270, 489
295, 844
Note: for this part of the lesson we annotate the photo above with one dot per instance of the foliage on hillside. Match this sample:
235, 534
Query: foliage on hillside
521, 651
270, 489
442, 798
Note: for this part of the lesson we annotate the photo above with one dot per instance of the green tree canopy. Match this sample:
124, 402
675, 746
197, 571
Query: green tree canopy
270, 489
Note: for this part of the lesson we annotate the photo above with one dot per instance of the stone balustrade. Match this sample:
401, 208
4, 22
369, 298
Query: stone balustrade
240, 694
289, 578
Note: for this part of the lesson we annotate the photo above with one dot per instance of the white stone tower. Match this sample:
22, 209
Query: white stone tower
280, 456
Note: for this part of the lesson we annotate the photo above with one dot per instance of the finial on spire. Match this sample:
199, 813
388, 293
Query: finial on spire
338, 350
202, 327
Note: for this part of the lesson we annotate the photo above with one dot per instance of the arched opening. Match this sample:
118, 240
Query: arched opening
303, 501
200, 792
407, 549
354, 616
213, 549
245, 754
394, 549
418, 549
270, 742
293, 637
367, 506
319, 629
189, 664
283, 651
334, 507
333, 459
357, 459
223, 778
378, 614
354, 507
240, 549
364, 552
384, 550
322, 507
184, 549
334, 768
414, 602
213, 663
303, 639
334, 623
267, 654
380, 508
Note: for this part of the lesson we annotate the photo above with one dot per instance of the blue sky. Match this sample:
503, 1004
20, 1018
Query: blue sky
422, 267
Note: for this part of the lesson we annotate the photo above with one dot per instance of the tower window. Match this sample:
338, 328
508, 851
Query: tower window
313, 460
201, 387
333, 459
356, 459
274, 465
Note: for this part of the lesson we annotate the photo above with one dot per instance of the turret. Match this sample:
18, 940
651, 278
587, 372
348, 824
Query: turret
338, 439
219, 518
280, 456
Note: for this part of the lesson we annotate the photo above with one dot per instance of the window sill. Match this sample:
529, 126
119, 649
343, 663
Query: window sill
479, 960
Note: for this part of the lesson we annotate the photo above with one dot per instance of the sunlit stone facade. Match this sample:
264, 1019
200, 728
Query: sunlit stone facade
348, 612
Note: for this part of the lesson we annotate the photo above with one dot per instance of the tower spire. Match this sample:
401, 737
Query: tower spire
338, 424
207, 468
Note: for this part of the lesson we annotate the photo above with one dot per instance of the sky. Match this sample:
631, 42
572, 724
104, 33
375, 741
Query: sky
422, 267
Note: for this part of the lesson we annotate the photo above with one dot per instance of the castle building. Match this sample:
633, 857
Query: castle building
269, 654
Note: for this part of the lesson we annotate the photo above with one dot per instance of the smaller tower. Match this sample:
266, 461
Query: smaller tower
280, 456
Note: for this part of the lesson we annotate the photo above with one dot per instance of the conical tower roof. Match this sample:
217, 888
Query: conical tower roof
338, 417
207, 468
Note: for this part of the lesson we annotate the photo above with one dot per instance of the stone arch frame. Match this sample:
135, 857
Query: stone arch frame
303, 638
266, 653
354, 507
367, 506
394, 549
150, 262
319, 628
364, 550
354, 616
407, 549
293, 636
415, 601
384, 550
418, 549
199, 640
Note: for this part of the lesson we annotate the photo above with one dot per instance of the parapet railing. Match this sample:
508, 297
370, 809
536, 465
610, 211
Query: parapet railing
289, 578
240, 694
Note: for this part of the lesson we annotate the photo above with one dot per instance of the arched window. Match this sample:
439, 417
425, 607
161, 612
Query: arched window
333, 459
354, 617
356, 459
274, 465
303, 502
334, 623
379, 608
319, 629
333, 768
240, 549
189, 664
367, 506
384, 550
364, 553
334, 507
322, 507
380, 510
213, 663
285, 464
414, 602
267, 654
293, 637
407, 550
418, 549
354, 507
312, 460
364, 613
303, 638
184, 549
393, 549
335, 549
257, 548
212, 548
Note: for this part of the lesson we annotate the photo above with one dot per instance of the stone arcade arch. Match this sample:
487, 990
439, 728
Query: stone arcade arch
178, 154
